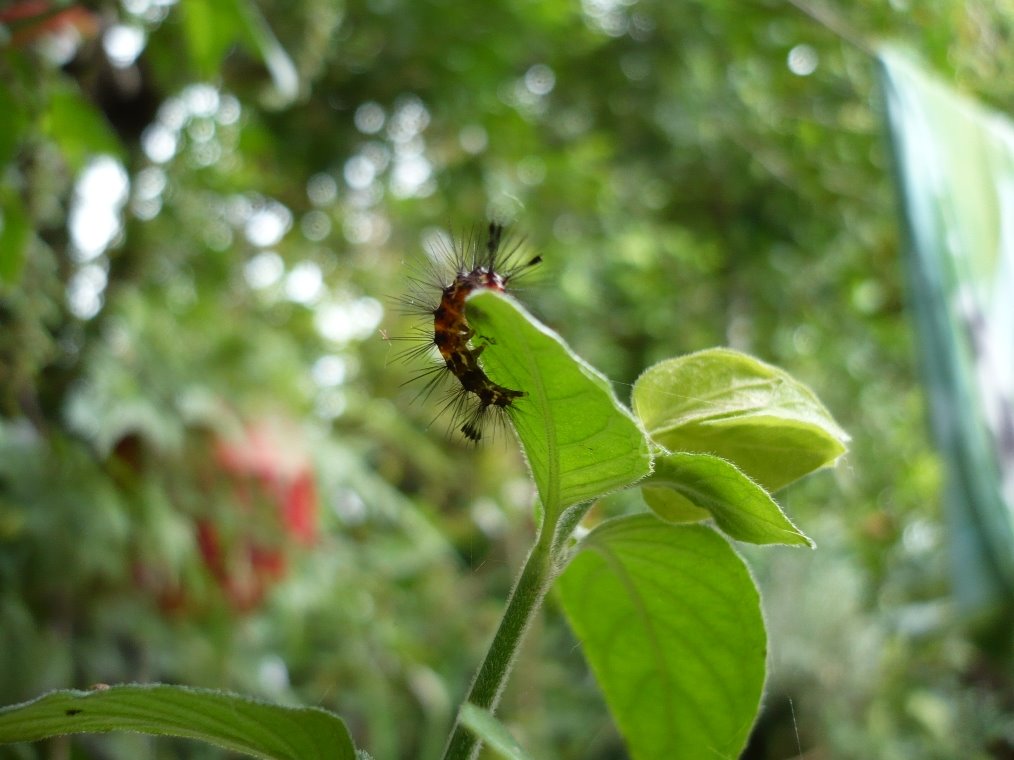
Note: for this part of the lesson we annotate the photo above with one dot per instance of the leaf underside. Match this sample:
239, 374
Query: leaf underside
580, 441
670, 622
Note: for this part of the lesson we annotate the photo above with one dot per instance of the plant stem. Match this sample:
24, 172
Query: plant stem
535, 579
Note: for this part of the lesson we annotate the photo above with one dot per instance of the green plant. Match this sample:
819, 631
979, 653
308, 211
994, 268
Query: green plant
666, 612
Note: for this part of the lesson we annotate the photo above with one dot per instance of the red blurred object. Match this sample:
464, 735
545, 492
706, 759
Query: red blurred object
266, 465
245, 572
300, 509
31, 19
272, 455
261, 509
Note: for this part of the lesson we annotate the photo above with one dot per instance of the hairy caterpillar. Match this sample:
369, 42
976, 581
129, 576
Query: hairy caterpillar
471, 265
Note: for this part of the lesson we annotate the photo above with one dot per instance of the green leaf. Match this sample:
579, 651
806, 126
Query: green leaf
78, 127
758, 417
580, 441
231, 721
15, 232
688, 487
260, 38
670, 622
211, 28
492, 732
12, 125
214, 26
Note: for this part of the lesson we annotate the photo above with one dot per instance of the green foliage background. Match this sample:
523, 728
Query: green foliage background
686, 187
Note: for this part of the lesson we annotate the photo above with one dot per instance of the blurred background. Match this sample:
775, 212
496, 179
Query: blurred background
211, 471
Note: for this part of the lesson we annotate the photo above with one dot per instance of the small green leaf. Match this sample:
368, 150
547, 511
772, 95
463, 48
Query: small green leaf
670, 621
689, 487
671, 507
78, 127
486, 727
15, 232
581, 443
235, 722
758, 417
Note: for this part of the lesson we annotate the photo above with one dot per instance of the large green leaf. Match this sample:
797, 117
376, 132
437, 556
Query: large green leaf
670, 622
235, 722
722, 402
688, 487
580, 441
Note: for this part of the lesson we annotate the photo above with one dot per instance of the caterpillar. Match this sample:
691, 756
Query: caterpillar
473, 266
